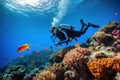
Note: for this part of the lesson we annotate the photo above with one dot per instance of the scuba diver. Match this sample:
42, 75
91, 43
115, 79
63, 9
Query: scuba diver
66, 33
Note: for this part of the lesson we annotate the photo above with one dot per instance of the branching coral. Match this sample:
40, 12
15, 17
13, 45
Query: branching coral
45, 75
75, 58
100, 68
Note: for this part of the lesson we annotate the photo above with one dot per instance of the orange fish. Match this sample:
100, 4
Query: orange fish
23, 47
66, 78
77, 45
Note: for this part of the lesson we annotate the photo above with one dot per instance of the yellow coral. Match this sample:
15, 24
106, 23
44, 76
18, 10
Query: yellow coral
98, 67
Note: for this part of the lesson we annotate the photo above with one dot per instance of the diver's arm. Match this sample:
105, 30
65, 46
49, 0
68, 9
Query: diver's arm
65, 41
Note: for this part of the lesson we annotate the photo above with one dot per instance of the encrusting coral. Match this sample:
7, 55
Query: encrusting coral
75, 57
104, 67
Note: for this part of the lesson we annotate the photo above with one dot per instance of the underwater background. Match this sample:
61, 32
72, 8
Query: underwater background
29, 22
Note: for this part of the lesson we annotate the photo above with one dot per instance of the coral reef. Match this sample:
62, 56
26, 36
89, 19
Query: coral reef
97, 59
14, 73
101, 68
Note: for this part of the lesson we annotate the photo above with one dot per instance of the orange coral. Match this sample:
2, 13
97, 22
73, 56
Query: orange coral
75, 57
99, 67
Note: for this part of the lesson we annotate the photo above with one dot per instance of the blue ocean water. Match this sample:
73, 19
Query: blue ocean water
24, 21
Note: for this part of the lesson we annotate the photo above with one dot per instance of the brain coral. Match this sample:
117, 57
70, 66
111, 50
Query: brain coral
45, 75
100, 68
75, 57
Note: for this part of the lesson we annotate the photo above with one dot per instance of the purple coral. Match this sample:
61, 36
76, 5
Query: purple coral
116, 32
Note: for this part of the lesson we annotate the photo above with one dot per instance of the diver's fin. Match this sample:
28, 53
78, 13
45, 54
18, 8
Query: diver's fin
93, 25
82, 22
